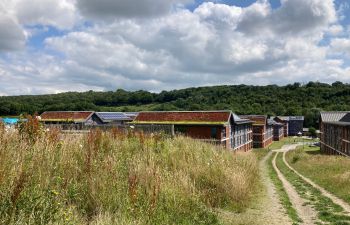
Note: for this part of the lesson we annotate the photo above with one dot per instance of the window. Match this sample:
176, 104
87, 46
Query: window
213, 132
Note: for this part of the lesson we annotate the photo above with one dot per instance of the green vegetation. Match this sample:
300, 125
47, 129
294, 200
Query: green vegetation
326, 210
294, 99
117, 178
330, 172
283, 196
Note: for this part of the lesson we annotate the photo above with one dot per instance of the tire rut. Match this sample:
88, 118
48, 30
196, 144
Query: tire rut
303, 209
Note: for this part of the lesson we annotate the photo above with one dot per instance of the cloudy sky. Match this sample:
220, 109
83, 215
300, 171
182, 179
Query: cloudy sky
51, 46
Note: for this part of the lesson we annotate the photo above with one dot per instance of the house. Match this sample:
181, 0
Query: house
335, 132
262, 130
295, 125
116, 118
278, 129
220, 127
70, 119
285, 121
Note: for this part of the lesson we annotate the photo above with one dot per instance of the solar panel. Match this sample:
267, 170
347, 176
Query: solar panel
113, 116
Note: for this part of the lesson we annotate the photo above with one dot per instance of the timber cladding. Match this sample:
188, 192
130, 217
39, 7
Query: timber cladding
335, 132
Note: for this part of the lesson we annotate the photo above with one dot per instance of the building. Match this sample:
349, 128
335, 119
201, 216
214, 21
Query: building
70, 119
278, 129
220, 127
262, 130
335, 132
116, 118
285, 121
295, 125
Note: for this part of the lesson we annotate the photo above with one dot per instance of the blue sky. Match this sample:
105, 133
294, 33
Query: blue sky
54, 46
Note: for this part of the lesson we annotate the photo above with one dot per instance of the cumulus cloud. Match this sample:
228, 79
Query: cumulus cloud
12, 36
341, 46
58, 13
132, 8
213, 44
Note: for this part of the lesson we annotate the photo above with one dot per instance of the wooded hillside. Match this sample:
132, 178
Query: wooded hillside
293, 99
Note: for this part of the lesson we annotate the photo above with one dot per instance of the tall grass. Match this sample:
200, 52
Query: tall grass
117, 178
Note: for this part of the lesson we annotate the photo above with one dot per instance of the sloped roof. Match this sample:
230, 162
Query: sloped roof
283, 118
296, 118
273, 122
184, 117
114, 116
65, 116
257, 119
335, 116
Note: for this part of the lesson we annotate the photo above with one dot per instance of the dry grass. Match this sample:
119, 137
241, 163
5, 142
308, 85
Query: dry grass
112, 177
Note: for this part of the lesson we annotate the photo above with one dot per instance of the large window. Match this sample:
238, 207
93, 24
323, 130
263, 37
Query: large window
213, 132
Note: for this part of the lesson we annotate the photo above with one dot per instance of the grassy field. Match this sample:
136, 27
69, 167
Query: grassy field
117, 178
330, 172
326, 210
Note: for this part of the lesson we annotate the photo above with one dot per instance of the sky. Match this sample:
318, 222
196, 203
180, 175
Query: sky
52, 46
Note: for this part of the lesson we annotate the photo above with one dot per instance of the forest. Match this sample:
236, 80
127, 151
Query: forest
293, 99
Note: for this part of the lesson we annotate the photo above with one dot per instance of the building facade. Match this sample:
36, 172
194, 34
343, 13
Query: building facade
295, 125
278, 130
219, 127
262, 130
335, 133
283, 120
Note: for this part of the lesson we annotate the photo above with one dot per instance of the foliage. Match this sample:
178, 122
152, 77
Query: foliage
117, 178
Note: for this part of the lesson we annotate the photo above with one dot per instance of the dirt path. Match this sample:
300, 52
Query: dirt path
305, 211
335, 199
267, 210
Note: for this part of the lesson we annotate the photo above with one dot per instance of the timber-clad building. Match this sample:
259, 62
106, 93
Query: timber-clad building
278, 130
335, 133
262, 130
220, 127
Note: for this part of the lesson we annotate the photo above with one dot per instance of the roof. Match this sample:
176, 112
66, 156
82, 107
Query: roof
296, 118
274, 123
115, 116
332, 116
66, 116
257, 119
184, 117
283, 118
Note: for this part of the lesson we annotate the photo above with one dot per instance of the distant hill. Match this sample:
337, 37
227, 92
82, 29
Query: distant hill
293, 99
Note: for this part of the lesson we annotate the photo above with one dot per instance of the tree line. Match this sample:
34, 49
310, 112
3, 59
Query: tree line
293, 99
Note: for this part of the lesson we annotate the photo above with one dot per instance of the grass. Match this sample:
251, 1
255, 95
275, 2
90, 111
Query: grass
326, 210
283, 196
330, 172
119, 178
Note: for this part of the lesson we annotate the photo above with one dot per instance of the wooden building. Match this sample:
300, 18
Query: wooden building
262, 131
285, 121
278, 129
295, 125
335, 133
220, 127
69, 119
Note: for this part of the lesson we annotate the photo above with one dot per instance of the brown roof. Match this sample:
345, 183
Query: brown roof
66, 116
185, 117
257, 119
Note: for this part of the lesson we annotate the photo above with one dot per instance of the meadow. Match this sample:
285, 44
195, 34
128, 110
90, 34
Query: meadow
329, 171
118, 178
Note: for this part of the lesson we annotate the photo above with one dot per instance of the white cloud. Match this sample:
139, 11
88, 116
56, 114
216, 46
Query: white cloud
341, 46
214, 44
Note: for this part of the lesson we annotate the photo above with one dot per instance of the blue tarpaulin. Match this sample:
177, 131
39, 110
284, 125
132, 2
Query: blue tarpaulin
10, 121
